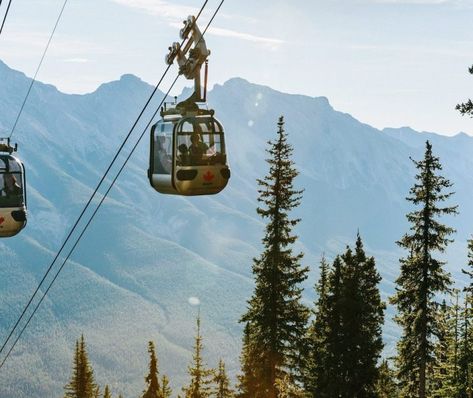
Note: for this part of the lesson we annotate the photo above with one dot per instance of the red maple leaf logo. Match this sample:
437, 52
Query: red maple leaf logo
208, 176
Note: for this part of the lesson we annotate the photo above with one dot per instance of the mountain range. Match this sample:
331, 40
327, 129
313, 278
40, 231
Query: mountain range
147, 259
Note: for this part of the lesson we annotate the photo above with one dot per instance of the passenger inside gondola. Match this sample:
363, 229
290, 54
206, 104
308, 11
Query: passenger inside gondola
163, 155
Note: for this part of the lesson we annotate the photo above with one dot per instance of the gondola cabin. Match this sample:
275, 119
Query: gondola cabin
12, 192
187, 155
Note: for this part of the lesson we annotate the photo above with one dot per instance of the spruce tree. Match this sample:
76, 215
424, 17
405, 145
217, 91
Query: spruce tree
247, 381
222, 383
315, 371
422, 275
152, 389
331, 380
386, 384
288, 389
444, 383
355, 317
107, 393
201, 377
466, 344
466, 108
275, 312
82, 383
165, 391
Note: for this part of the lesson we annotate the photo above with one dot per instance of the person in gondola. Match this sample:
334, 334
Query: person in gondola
197, 148
10, 185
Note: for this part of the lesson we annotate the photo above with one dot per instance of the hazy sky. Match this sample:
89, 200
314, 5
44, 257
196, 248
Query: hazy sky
389, 63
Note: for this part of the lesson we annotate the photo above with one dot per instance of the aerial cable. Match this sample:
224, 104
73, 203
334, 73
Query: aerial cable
39, 66
100, 203
82, 233
90, 200
5, 16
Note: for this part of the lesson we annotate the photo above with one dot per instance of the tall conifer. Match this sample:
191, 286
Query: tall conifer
107, 393
165, 391
201, 377
247, 381
329, 384
222, 383
277, 316
422, 276
152, 389
82, 383
315, 371
355, 314
386, 384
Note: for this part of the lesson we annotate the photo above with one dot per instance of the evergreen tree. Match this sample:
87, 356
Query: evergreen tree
82, 382
422, 276
363, 318
222, 383
466, 108
152, 379
355, 317
466, 351
315, 372
277, 316
386, 384
165, 391
107, 393
288, 389
330, 382
247, 381
200, 385
444, 382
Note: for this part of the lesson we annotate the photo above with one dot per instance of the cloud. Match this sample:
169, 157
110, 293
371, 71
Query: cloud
244, 36
237, 35
160, 8
76, 60
175, 13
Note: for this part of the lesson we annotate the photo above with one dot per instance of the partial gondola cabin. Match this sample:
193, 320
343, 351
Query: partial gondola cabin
12, 193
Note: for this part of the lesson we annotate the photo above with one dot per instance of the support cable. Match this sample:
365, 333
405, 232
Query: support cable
5, 16
100, 203
39, 65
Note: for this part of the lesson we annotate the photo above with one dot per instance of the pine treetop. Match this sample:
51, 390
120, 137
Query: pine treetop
199, 386
152, 389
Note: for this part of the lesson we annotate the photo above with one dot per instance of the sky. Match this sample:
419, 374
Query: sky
389, 63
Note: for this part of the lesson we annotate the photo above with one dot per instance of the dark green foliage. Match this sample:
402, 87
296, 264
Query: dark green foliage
422, 276
82, 383
466, 343
152, 379
107, 393
201, 377
247, 381
352, 340
222, 383
466, 108
287, 388
386, 384
444, 381
277, 318
331, 380
315, 375
165, 391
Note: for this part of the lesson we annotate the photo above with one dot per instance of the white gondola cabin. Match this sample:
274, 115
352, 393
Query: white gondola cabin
12, 192
187, 155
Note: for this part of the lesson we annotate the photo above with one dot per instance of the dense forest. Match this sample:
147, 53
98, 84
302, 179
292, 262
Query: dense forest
334, 348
